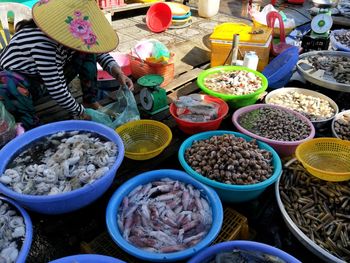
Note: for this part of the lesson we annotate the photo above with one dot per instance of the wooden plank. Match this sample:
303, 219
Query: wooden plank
183, 79
188, 56
183, 91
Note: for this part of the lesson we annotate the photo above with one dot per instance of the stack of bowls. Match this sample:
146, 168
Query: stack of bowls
181, 15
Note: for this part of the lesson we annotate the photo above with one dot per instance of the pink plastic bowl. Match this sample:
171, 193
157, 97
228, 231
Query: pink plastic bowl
122, 60
283, 148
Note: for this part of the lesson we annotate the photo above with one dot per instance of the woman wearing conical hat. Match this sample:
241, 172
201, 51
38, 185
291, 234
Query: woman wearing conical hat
64, 39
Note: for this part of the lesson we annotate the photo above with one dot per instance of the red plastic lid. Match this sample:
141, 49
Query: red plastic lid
158, 17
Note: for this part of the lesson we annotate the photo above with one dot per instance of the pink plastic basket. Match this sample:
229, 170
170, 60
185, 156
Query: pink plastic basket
283, 148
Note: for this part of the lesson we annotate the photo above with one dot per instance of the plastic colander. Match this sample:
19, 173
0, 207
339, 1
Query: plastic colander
144, 139
326, 158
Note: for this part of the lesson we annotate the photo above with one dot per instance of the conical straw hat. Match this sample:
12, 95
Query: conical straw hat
77, 24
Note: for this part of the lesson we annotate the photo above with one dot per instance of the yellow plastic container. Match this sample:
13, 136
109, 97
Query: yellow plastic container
326, 158
251, 38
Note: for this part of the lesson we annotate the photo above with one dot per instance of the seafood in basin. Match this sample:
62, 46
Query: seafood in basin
238, 82
164, 216
242, 256
194, 108
12, 233
312, 107
59, 163
337, 67
275, 124
320, 209
229, 159
342, 126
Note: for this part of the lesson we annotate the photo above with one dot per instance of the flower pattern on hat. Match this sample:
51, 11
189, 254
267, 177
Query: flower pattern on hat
41, 2
80, 27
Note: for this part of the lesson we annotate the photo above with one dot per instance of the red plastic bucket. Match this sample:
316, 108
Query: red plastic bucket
158, 17
196, 127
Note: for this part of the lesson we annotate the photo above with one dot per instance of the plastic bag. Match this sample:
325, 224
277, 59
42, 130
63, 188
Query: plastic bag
123, 110
260, 17
195, 109
7, 125
151, 50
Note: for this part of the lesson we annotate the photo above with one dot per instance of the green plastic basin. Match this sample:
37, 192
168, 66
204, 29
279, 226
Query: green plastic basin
235, 101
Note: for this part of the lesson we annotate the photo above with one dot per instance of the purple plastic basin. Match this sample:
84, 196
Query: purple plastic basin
283, 148
206, 254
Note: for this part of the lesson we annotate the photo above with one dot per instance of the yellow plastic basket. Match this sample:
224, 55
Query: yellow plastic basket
326, 158
144, 139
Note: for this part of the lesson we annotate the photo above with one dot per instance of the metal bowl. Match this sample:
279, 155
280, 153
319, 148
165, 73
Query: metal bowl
338, 116
317, 124
307, 71
307, 242
325, 3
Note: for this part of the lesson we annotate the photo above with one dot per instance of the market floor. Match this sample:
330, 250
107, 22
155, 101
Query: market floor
62, 235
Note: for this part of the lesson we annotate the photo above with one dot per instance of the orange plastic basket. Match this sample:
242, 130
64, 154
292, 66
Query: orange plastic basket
140, 68
326, 158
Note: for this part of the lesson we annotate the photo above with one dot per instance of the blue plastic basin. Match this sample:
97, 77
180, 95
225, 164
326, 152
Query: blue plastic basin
29, 3
24, 250
69, 201
279, 71
87, 258
208, 253
144, 178
336, 44
228, 192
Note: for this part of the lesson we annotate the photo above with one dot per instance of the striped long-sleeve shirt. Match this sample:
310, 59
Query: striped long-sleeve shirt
32, 53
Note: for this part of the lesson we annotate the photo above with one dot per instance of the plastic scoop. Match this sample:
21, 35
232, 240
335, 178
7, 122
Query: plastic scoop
282, 45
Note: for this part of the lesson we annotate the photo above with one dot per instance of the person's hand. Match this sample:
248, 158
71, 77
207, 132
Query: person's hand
118, 74
85, 117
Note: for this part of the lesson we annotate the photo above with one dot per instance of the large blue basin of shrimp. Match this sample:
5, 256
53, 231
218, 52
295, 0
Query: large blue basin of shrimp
69, 201
144, 178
